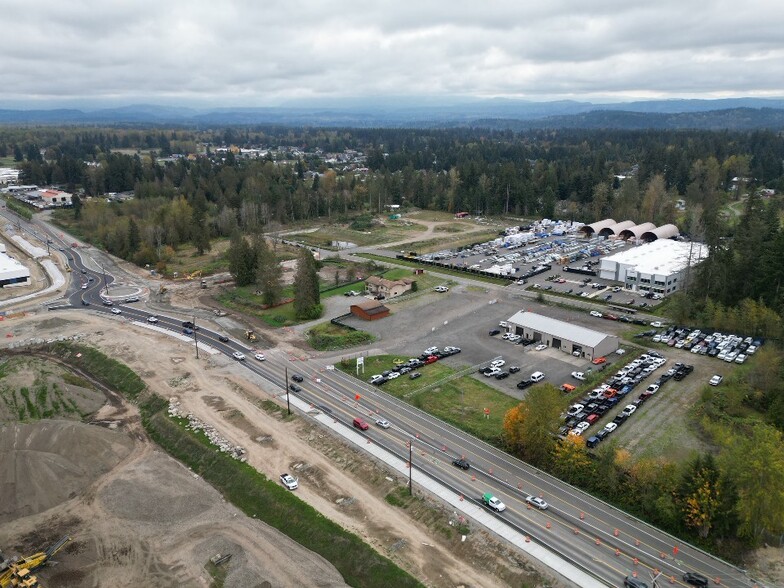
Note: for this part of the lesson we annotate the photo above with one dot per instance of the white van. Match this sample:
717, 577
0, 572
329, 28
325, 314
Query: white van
537, 377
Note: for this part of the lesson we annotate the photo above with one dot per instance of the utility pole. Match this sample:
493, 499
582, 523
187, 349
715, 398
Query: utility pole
104, 280
286, 386
195, 338
410, 467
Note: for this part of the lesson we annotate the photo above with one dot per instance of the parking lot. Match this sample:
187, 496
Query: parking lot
554, 258
463, 317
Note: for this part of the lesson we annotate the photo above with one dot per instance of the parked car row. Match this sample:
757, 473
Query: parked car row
729, 348
431, 355
587, 411
624, 318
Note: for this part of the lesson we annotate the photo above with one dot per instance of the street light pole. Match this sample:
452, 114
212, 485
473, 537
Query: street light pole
286, 386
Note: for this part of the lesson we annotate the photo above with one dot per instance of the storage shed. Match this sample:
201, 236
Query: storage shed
369, 310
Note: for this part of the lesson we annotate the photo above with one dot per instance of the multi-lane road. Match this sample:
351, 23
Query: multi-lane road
602, 540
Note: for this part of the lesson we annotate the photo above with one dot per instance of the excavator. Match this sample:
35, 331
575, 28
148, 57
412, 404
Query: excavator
19, 572
250, 335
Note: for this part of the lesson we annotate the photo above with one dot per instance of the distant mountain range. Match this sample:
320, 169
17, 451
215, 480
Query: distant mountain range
735, 113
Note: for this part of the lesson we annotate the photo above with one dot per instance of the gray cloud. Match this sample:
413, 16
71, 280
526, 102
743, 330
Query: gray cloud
240, 52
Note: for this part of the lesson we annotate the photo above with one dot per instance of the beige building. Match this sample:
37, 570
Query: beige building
388, 288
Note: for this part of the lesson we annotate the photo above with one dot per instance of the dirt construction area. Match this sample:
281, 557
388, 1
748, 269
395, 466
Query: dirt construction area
136, 517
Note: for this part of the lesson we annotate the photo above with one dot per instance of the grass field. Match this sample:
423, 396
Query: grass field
460, 402
450, 241
391, 231
434, 269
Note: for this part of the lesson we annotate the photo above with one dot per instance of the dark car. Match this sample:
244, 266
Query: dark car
695, 579
414, 375
295, 388
502, 375
524, 384
187, 331
461, 463
85, 303
297, 378
630, 582
514, 369
223, 338
494, 332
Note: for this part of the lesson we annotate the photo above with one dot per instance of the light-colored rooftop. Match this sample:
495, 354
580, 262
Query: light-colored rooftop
663, 256
558, 329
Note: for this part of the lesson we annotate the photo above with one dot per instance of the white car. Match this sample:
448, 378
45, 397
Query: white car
260, 357
540, 347
716, 380
652, 389
289, 481
431, 350
629, 409
537, 502
575, 409
610, 427
578, 375
84, 286
493, 372
393, 375
741, 358
497, 363
383, 423
596, 313
503, 324
116, 310
751, 350
441, 289
238, 356
152, 320
657, 324
537, 377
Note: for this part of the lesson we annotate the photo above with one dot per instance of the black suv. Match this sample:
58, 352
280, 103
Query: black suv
461, 463
223, 338
695, 579
524, 384
297, 378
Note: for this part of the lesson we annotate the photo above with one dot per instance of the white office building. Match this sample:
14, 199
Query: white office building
660, 266
12, 272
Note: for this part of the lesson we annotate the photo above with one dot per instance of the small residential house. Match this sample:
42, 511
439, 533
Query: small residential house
388, 288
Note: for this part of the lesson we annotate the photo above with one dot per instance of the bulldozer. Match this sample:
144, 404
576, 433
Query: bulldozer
18, 572
250, 335
162, 289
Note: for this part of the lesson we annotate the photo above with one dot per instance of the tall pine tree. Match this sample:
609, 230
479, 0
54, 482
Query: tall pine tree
269, 273
307, 297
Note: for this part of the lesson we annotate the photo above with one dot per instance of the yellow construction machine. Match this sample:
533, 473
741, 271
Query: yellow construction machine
250, 335
18, 572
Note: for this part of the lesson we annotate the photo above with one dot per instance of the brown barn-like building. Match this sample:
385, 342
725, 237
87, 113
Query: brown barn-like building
369, 310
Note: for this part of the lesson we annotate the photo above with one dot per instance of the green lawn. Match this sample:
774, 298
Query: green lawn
460, 402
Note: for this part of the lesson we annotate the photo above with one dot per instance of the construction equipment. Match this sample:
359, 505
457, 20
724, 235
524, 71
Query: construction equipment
18, 572
250, 335
204, 284
162, 289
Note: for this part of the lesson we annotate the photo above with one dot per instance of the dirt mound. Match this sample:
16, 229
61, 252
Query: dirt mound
139, 494
46, 463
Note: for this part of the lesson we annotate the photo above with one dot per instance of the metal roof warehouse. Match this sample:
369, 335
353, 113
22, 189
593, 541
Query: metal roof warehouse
558, 334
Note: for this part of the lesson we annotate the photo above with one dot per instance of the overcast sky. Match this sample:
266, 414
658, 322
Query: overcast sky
266, 52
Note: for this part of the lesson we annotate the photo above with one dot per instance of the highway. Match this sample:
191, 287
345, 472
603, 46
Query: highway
602, 540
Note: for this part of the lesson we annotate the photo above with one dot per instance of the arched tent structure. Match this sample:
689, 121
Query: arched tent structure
637, 231
591, 229
662, 232
616, 228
